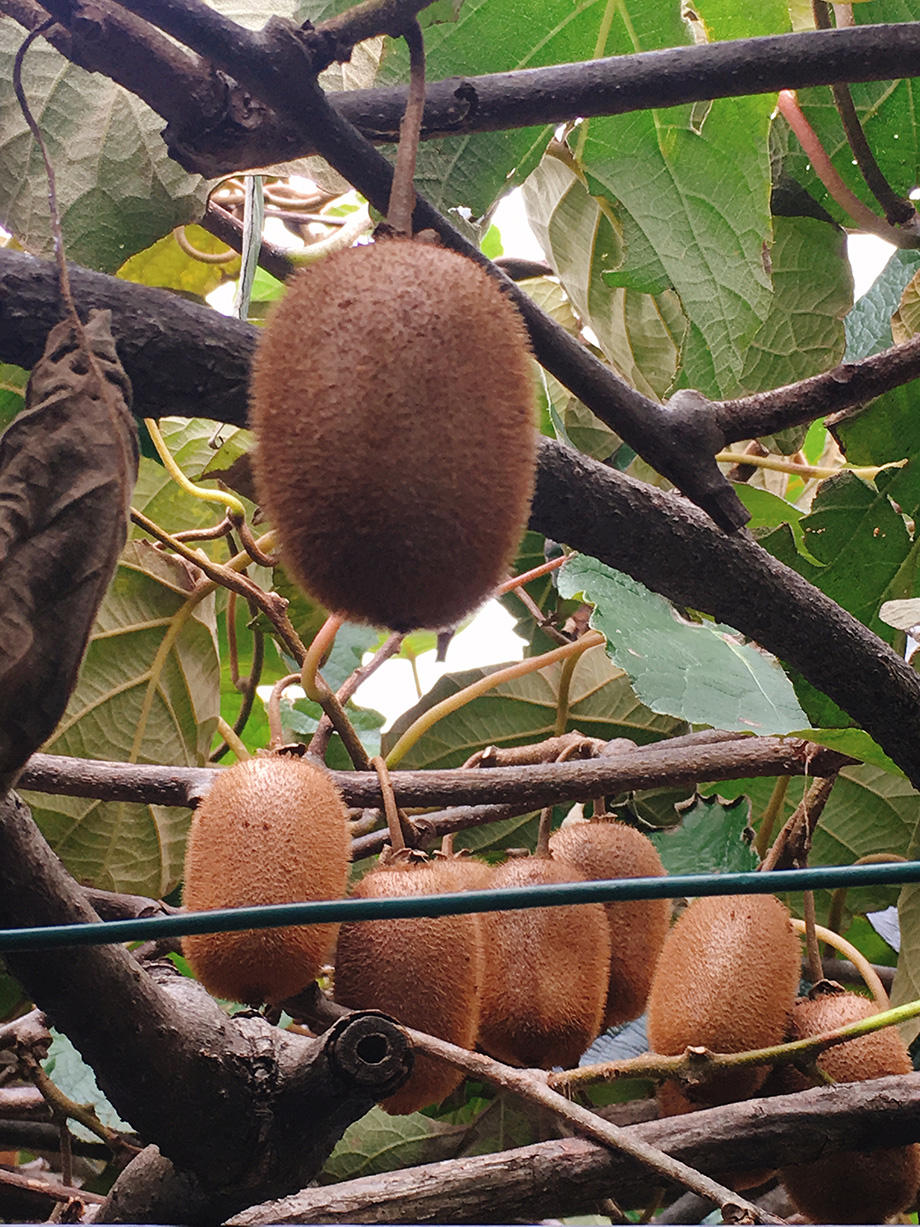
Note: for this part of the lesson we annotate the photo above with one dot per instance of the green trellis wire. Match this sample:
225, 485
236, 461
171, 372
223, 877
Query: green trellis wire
279, 914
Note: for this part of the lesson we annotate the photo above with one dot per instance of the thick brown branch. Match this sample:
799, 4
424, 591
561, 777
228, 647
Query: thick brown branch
569, 1176
531, 787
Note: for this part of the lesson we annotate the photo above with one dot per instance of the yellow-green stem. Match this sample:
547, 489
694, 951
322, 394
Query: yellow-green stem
770, 814
224, 497
462, 697
233, 741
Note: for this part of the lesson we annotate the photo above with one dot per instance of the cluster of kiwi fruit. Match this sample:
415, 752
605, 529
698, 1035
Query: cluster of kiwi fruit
531, 987
392, 399
727, 979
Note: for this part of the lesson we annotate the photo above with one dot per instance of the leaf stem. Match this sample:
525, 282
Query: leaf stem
224, 497
849, 951
780, 464
455, 701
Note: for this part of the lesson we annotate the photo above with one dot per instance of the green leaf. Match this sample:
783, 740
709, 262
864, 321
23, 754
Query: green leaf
870, 810
13, 380
166, 265
697, 672
803, 332
679, 173
148, 693
868, 325
379, 1143
714, 836
860, 542
601, 704
118, 189
855, 742
70, 1073
769, 511
641, 333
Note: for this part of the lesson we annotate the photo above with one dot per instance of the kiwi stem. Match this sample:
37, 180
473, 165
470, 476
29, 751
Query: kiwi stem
856, 957
696, 1064
462, 697
562, 699
534, 1086
388, 648
812, 951
543, 831
273, 710
232, 740
518, 581
224, 497
839, 897
770, 814
788, 106
317, 690
390, 808
402, 191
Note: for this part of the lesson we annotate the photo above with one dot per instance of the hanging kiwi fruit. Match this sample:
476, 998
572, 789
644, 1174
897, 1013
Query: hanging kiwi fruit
425, 971
272, 829
726, 980
605, 848
851, 1186
548, 969
392, 398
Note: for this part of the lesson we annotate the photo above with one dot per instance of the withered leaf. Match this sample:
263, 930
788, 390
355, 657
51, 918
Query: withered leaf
68, 464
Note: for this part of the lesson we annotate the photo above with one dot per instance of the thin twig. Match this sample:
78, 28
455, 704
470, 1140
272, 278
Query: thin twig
402, 191
320, 739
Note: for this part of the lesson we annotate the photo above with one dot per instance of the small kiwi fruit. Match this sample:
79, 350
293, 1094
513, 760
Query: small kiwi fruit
272, 829
849, 1187
726, 980
425, 971
548, 968
392, 398
608, 849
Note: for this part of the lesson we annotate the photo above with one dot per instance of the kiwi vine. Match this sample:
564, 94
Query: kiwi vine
676, 449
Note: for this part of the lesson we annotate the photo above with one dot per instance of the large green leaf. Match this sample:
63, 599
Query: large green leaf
379, 1143
640, 333
868, 325
118, 190
697, 672
696, 183
148, 692
601, 704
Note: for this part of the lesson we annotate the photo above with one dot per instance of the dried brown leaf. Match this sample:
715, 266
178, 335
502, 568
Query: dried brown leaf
68, 464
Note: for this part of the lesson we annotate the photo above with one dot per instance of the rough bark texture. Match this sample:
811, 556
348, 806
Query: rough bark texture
571, 1175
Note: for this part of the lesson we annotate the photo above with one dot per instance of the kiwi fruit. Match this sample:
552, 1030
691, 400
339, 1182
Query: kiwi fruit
272, 829
392, 398
849, 1187
726, 979
544, 995
638, 928
424, 971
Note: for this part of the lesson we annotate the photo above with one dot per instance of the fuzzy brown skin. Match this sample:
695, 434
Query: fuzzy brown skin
726, 980
547, 972
638, 927
392, 398
271, 830
424, 971
850, 1187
